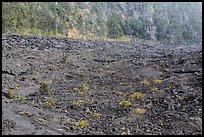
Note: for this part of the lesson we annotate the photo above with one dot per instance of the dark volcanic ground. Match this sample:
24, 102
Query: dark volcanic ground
65, 86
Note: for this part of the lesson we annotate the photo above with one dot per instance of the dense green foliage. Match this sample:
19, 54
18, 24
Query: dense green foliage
178, 22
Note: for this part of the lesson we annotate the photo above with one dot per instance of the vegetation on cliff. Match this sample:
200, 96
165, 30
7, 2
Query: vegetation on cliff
174, 22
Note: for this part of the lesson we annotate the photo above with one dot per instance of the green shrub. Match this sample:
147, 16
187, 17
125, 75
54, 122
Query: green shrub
43, 87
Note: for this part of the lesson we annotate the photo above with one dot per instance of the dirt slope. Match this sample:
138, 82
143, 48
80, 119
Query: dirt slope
68, 86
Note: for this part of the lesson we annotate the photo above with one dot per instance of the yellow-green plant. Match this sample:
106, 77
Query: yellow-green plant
183, 109
157, 80
81, 89
145, 82
81, 124
125, 103
118, 92
77, 102
12, 96
77, 125
107, 67
19, 98
180, 98
121, 83
110, 71
139, 111
24, 113
137, 95
81, 93
94, 87
84, 87
153, 89
44, 88
48, 103
96, 115
17, 87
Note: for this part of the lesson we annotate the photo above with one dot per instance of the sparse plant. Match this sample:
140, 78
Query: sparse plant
153, 89
64, 57
81, 89
157, 80
96, 115
81, 93
17, 87
125, 103
23, 78
183, 109
139, 111
9, 93
161, 122
121, 83
63, 79
89, 81
180, 98
44, 88
19, 98
118, 92
137, 95
145, 82
24, 113
15, 97
107, 67
81, 124
82, 78
48, 103
94, 87
77, 125
77, 102
110, 71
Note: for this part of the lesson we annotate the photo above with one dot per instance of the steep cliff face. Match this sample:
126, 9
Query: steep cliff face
172, 22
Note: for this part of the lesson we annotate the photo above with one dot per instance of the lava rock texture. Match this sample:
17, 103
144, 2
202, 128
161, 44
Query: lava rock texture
60, 86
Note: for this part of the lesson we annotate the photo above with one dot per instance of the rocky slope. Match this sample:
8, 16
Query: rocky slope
68, 86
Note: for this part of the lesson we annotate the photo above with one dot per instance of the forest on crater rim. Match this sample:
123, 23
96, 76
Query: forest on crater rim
168, 22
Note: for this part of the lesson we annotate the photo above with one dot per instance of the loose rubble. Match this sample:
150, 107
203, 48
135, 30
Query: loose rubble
62, 86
